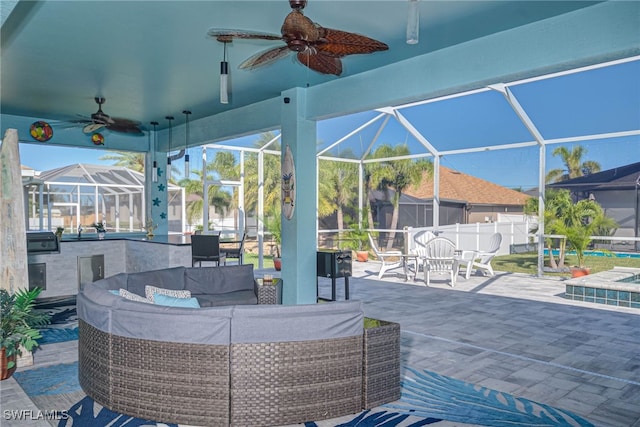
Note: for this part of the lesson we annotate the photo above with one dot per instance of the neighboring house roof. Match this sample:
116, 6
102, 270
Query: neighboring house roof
456, 185
620, 178
82, 173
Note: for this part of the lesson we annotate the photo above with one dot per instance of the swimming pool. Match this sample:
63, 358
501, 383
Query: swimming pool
618, 287
599, 253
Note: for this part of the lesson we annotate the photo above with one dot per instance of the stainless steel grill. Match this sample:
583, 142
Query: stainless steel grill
42, 242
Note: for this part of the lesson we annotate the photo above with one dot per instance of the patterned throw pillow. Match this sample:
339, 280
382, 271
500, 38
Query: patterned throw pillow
131, 296
150, 290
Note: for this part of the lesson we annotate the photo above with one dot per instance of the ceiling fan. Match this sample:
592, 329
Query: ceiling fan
100, 120
317, 47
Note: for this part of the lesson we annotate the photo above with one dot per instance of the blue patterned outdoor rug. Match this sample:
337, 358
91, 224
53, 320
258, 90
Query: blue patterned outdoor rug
64, 320
427, 398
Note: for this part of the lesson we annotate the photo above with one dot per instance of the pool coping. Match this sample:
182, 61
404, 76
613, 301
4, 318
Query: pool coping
604, 288
608, 279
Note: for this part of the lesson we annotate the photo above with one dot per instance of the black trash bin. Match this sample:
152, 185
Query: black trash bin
334, 264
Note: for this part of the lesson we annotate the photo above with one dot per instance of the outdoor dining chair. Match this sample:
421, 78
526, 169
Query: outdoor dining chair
238, 251
438, 255
206, 247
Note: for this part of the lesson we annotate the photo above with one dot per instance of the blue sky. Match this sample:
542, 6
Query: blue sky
597, 101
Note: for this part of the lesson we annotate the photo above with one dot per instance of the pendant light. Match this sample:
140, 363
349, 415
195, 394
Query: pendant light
154, 170
413, 22
169, 152
187, 171
224, 76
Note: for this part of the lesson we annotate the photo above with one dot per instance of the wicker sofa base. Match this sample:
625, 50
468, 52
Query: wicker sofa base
294, 382
381, 367
217, 385
176, 383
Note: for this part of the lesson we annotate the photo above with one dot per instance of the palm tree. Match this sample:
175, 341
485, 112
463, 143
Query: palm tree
395, 175
271, 175
336, 188
128, 159
583, 220
218, 198
574, 166
557, 203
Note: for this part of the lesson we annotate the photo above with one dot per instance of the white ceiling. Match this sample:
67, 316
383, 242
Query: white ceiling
153, 59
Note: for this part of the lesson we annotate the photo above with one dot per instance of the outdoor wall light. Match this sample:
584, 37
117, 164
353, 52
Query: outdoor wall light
413, 22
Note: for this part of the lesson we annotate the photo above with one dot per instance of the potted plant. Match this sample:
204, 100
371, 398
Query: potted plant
19, 324
357, 239
150, 228
59, 231
581, 221
99, 229
273, 223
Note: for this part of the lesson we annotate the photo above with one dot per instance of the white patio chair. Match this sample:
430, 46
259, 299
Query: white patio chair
438, 255
417, 240
481, 260
384, 257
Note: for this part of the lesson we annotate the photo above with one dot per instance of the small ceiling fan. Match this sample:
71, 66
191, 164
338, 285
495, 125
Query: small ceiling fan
317, 47
100, 120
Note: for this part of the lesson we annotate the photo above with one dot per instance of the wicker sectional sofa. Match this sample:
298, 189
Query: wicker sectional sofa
243, 364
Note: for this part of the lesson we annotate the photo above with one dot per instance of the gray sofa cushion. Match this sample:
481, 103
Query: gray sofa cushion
169, 278
114, 282
229, 298
219, 280
282, 323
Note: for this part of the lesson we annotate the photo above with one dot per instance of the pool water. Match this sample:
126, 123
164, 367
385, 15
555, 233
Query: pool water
635, 279
599, 253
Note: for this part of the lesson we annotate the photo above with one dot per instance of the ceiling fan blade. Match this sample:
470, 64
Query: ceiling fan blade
223, 34
265, 57
341, 43
296, 26
324, 64
125, 126
130, 130
93, 127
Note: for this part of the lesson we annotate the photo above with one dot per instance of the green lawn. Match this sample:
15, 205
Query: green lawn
518, 263
528, 263
253, 259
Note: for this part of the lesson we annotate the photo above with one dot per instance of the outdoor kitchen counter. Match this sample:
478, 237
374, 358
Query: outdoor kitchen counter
88, 259
172, 239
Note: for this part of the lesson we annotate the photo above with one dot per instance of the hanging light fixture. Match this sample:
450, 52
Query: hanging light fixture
154, 170
413, 22
187, 171
224, 75
170, 136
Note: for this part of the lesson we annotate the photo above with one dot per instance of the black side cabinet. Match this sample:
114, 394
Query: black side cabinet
334, 264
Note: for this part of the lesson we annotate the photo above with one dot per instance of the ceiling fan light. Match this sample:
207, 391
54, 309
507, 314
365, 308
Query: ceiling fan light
224, 82
413, 22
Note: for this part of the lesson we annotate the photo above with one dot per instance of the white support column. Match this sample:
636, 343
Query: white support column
533, 130
436, 192
241, 214
205, 192
260, 213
